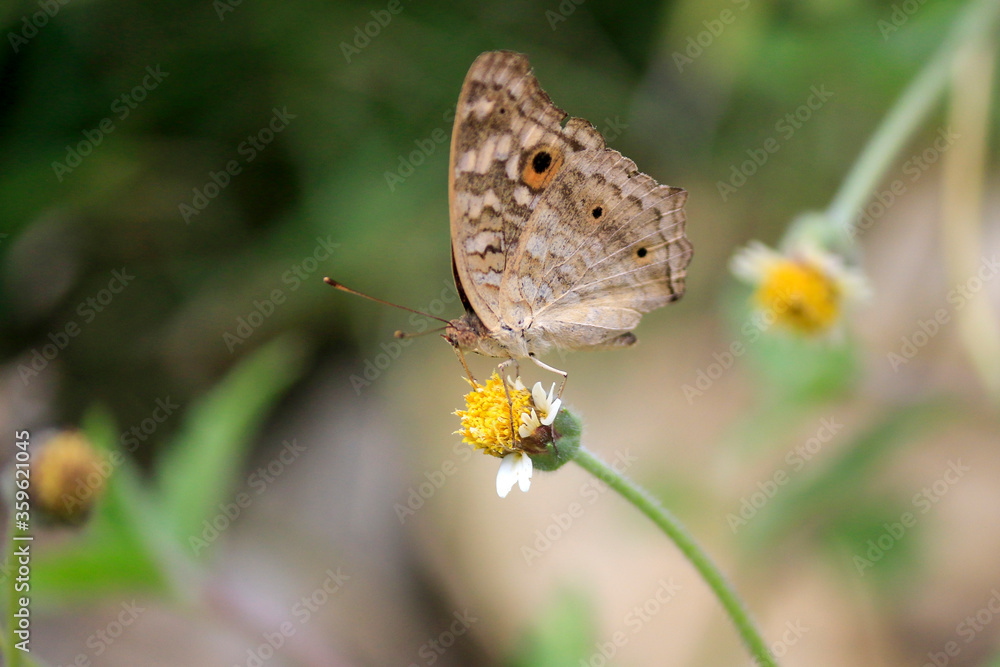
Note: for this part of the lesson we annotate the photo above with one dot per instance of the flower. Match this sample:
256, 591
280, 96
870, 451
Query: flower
804, 289
487, 426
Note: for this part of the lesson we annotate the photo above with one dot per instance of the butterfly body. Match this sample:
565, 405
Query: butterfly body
470, 334
557, 240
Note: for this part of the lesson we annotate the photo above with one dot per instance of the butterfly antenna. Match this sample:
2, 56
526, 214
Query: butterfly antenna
344, 288
406, 334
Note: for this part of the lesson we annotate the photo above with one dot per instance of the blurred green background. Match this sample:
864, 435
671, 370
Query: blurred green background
188, 283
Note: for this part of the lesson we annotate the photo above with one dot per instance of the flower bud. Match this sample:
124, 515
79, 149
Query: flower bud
68, 476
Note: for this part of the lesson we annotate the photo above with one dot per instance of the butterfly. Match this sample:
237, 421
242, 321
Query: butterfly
557, 240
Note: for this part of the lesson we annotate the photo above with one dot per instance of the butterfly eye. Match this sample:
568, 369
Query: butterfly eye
541, 166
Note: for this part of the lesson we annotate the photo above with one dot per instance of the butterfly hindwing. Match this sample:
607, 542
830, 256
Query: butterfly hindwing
604, 245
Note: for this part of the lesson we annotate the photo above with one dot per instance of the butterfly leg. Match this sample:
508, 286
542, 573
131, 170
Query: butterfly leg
564, 374
509, 362
505, 363
461, 357
510, 403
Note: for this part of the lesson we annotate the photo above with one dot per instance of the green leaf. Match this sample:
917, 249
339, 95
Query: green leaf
113, 511
98, 424
92, 569
198, 472
873, 541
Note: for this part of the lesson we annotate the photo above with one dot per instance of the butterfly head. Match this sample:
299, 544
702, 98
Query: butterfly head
466, 332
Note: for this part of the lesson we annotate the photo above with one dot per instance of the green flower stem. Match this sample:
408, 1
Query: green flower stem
975, 22
669, 524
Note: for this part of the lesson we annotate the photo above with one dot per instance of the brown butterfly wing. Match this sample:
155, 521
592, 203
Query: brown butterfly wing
508, 145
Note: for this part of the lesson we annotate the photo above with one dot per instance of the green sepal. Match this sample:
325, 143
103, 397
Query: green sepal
566, 430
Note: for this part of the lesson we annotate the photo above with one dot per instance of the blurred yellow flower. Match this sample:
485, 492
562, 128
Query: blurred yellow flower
805, 289
68, 476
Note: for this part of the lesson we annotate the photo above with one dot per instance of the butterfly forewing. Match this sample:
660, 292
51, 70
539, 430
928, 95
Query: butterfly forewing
507, 146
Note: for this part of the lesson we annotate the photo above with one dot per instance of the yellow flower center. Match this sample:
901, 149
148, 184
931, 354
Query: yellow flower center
801, 297
486, 421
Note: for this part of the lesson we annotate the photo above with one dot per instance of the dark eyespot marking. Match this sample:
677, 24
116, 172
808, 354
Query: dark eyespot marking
502, 110
597, 212
541, 162
540, 166
641, 252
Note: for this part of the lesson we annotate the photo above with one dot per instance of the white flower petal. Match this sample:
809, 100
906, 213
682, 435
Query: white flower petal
751, 263
529, 422
855, 286
538, 396
553, 411
524, 470
506, 476
515, 467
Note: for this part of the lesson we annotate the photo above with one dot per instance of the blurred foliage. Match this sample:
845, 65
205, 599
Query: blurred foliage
139, 538
562, 634
840, 488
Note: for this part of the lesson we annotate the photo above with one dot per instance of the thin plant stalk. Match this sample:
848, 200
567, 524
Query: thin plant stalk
974, 24
973, 77
673, 528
